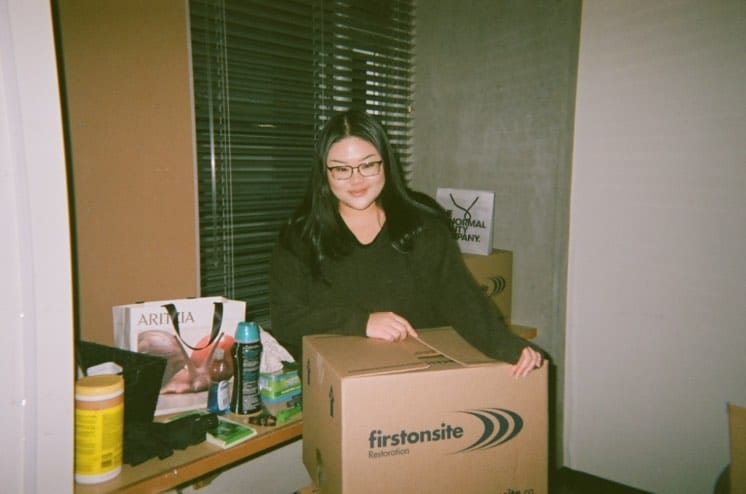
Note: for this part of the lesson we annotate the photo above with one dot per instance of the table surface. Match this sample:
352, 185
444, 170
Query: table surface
187, 465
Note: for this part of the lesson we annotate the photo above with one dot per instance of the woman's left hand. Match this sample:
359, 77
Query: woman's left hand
530, 359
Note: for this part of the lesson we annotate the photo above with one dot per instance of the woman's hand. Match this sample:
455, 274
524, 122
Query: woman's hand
388, 326
530, 359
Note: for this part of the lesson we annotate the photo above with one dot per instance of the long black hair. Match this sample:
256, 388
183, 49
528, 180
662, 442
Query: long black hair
317, 222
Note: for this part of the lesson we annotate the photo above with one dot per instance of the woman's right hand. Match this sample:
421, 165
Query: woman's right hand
388, 326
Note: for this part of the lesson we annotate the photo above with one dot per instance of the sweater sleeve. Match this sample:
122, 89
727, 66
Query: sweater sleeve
461, 301
293, 315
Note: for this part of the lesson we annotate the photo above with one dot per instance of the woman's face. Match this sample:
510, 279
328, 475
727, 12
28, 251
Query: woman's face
358, 192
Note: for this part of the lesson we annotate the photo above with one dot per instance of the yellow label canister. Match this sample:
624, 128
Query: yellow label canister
99, 428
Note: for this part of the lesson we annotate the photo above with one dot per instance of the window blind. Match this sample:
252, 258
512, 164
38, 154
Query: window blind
267, 75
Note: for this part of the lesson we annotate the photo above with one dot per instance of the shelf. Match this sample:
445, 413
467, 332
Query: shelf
188, 465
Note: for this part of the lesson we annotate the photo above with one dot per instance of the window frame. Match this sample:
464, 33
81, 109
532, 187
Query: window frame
262, 91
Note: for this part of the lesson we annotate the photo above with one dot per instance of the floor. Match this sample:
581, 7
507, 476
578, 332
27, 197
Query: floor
567, 481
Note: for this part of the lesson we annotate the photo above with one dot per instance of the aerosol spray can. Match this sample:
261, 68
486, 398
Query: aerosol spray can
247, 355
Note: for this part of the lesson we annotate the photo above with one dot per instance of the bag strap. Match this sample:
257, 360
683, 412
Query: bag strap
217, 320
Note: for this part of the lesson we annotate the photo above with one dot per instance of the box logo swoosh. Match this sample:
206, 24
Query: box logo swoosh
500, 426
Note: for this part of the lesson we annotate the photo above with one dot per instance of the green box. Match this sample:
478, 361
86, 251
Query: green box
279, 385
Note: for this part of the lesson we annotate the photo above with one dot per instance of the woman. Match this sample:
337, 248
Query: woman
365, 255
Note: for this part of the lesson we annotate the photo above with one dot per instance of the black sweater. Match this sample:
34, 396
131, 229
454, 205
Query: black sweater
429, 286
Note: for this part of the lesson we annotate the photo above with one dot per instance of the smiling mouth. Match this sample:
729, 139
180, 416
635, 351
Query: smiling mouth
358, 193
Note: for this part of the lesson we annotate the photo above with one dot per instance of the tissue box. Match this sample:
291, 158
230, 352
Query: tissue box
281, 394
278, 386
284, 409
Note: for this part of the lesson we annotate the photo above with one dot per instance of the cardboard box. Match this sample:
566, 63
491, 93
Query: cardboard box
525, 332
431, 415
495, 274
309, 489
737, 425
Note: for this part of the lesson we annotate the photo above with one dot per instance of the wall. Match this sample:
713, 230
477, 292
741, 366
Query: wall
279, 471
130, 123
35, 271
494, 99
128, 96
655, 317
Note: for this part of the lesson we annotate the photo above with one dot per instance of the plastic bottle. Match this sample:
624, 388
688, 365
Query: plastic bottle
99, 428
247, 354
221, 371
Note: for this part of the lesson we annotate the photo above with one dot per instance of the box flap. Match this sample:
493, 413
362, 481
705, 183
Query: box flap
359, 355
448, 342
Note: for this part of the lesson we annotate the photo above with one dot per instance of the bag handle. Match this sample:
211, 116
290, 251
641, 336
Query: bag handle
217, 320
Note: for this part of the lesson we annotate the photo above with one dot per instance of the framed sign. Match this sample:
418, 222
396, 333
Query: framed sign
471, 213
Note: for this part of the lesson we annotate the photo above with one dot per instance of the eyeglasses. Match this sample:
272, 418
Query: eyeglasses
370, 169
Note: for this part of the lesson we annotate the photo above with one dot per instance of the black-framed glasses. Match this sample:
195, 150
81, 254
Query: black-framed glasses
344, 172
